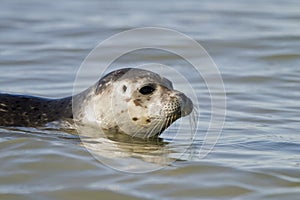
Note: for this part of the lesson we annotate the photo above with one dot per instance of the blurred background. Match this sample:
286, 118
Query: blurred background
256, 46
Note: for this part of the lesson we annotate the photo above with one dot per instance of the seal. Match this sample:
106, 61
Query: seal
137, 102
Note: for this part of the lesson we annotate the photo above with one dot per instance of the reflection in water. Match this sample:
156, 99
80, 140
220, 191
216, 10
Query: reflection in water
128, 154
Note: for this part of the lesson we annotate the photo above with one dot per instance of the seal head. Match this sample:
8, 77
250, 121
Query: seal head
137, 102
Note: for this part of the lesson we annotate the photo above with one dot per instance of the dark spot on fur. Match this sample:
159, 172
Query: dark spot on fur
134, 118
148, 120
137, 102
124, 88
111, 77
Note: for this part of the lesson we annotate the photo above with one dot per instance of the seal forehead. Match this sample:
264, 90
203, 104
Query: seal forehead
131, 75
141, 76
105, 81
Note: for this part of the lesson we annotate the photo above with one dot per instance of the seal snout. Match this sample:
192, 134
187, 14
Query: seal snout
179, 105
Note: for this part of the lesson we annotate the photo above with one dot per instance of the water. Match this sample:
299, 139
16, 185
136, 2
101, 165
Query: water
256, 47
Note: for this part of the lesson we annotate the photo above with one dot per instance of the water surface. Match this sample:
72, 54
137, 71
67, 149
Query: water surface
256, 46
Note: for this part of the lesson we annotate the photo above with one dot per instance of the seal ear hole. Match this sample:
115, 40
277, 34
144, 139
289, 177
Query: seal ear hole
124, 88
147, 89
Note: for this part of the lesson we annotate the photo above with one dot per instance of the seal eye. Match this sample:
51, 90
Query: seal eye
148, 89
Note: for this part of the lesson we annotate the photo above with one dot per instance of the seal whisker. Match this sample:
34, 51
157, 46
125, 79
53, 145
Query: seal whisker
165, 123
162, 125
170, 120
153, 130
156, 128
194, 116
137, 132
